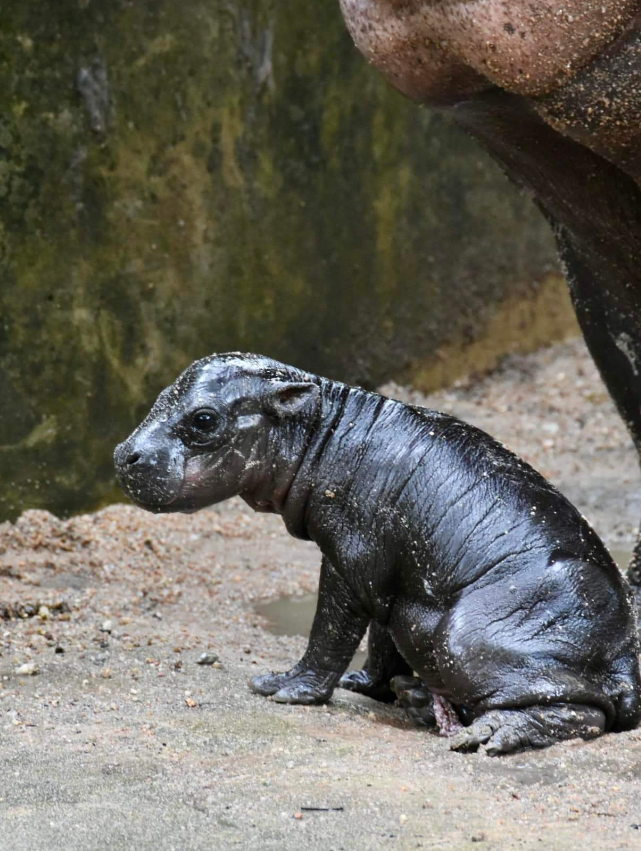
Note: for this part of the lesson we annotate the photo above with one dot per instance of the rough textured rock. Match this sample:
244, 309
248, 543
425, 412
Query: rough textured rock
177, 179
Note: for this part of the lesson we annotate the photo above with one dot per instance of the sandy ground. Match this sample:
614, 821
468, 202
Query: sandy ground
122, 741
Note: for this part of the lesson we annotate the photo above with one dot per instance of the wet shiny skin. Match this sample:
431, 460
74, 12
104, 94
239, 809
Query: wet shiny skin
552, 90
469, 568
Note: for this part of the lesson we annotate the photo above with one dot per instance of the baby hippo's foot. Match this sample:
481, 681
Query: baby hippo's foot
504, 730
424, 708
363, 682
415, 699
299, 685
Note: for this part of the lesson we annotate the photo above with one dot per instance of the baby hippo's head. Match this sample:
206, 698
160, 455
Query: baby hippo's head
230, 424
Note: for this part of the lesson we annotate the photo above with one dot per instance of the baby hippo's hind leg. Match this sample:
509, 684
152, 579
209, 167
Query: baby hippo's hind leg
501, 731
383, 663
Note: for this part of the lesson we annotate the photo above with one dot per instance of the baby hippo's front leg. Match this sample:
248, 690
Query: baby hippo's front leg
336, 632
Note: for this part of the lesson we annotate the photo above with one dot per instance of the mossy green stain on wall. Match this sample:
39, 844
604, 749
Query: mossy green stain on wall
243, 181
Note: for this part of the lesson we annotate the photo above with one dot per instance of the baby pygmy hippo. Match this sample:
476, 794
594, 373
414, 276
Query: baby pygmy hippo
469, 568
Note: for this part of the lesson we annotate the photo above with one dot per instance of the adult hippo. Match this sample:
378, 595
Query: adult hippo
552, 90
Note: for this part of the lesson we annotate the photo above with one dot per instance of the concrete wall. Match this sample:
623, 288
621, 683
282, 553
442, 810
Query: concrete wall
182, 178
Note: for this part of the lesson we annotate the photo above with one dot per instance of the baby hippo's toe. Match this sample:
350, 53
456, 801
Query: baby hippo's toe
478, 733
300, 693
268, 684
415, 699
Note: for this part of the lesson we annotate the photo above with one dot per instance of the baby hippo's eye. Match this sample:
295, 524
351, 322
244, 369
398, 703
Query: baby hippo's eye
204, 421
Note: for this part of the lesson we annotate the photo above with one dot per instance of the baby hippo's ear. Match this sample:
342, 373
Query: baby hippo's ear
286, 398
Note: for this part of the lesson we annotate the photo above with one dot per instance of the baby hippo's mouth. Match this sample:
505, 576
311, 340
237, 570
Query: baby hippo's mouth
152, 496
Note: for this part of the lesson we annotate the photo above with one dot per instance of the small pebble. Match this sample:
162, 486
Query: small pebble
106, 626
207, 659
28, 669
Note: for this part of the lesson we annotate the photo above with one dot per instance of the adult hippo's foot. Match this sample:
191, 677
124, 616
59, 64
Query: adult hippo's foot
296, 686
502, 731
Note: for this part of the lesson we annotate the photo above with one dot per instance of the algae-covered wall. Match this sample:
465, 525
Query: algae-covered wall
179, 178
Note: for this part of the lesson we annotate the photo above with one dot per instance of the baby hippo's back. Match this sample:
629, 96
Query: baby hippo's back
478, 505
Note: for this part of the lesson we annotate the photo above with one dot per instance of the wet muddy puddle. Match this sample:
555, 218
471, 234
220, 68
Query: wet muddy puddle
294, 616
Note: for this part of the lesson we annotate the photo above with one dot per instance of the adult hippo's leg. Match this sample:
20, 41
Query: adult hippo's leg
595, 210
614, 340
383, 663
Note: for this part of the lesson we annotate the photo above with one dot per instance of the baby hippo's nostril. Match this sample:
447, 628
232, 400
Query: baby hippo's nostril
133, 458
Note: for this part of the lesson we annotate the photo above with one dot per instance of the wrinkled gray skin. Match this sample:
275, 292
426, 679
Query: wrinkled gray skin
467, 566
552, 90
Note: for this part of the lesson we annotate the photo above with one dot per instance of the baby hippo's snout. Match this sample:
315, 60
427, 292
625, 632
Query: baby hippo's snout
129, 459
149, 473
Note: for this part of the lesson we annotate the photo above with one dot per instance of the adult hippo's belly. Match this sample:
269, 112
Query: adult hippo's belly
435, 48
577, 62
552, 90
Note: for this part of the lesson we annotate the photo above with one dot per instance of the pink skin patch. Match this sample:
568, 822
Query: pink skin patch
447, 720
